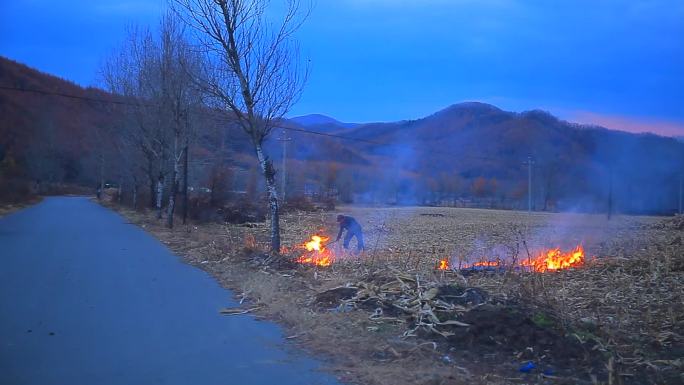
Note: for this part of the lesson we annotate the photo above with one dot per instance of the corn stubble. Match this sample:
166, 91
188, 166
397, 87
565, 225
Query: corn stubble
383, 317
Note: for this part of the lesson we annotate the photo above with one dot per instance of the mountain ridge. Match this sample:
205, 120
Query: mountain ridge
321, 120
449, 154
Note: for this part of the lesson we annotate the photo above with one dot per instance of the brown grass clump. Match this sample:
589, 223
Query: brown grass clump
632, 309
9, 208
388, 317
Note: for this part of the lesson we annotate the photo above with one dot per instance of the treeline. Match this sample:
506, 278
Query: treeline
50, 143
172, 103
191, 116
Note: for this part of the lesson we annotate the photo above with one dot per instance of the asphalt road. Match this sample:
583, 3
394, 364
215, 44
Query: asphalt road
86, 298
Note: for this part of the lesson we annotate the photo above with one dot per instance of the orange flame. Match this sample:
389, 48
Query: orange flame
555, 259
317, 253
316, 243
443, 264
548, 260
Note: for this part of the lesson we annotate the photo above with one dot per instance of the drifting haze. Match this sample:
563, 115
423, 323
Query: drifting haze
470, 154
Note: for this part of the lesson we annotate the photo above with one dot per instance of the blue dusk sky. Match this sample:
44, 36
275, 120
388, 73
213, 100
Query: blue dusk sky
616, 63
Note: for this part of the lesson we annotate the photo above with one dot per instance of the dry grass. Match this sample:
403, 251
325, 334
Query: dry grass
629, 302
9, 208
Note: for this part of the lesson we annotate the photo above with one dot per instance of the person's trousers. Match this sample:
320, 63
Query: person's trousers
359, 239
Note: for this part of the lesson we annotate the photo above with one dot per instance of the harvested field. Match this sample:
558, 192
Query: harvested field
388, 316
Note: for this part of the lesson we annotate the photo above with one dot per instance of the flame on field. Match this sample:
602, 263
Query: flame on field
555, 259
317, 254
316, 243
443, 264
547, 260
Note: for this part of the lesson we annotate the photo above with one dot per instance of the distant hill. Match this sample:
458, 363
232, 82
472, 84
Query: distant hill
573, 164
321, 121
35, 127
48, 136
472, 154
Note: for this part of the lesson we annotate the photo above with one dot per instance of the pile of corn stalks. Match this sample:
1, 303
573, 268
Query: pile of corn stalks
405, 299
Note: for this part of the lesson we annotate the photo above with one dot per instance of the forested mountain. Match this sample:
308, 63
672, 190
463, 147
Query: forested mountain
322, 121
44, 136
468, 154
573, 165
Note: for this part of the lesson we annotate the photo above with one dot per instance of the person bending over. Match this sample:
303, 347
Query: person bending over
353, 230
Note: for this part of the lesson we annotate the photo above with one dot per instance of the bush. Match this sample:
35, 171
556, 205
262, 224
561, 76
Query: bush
304, 203
244, 211
15, 191
299, 203
201, 210
65, 189
328, 204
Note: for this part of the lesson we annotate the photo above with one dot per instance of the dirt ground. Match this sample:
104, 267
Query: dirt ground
388, 316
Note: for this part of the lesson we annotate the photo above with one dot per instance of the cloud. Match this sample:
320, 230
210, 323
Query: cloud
629, 123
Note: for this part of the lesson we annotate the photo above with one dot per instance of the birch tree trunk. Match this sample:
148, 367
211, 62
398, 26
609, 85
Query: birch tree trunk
160, 193
269, 175
119, 193
153, 193
151, 180
185, 184
135, 195
102, 183
172, 197
174, 188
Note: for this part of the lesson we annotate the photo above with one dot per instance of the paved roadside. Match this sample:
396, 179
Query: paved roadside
87, 299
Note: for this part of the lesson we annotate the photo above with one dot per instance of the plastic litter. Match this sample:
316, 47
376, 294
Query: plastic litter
526, 368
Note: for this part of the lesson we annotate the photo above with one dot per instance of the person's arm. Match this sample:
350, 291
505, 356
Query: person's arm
339, 235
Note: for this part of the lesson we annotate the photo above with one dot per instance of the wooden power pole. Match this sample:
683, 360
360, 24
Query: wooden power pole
529, 164
283, 138
681, 187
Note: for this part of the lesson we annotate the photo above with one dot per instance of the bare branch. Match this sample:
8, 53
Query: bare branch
255, 71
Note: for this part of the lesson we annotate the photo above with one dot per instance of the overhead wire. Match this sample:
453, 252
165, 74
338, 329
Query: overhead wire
280, 126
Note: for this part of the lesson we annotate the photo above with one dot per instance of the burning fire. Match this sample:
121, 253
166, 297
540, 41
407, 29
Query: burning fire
548, 260
555, 259
316, 254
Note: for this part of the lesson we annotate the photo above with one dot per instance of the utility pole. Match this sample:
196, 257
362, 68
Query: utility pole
185, 183
681, 187
283, 138
610, 192
529, 164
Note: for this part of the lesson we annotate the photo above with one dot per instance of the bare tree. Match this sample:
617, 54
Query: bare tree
155, 71
131, 72
178, 96
253, 70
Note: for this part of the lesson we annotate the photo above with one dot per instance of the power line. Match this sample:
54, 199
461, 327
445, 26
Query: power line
298, 129
71, 96
119, 102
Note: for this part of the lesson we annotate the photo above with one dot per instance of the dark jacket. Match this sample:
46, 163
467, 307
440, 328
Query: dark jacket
350, 224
